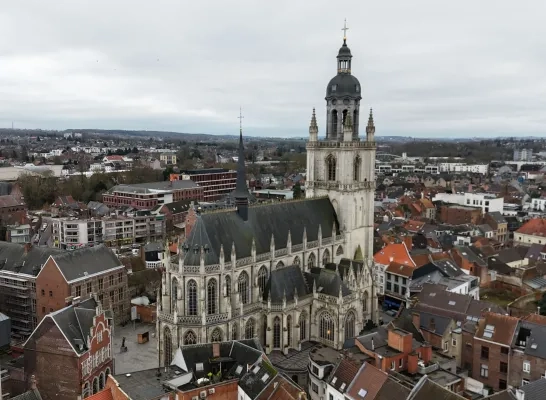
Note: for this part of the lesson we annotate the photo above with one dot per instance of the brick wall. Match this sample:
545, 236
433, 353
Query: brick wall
516, 374
51, 290
493, 362
458, 215
222, 391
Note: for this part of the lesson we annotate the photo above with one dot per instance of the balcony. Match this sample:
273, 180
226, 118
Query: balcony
424, 369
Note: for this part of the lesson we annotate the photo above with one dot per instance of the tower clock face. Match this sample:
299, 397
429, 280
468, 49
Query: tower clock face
334, 102
346, 101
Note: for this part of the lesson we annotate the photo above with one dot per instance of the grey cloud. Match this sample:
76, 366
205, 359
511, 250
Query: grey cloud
427, 67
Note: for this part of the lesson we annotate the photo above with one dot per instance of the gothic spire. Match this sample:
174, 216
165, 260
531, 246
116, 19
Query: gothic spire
241, 189
370, 128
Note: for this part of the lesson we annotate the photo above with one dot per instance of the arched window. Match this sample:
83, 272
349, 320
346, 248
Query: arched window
344, 116
216, 335
365, 302
264, 330
355, 119
327, 326
303, 326
250, 328
311, 261
211, 296
331, 167
277, 332
289, 330
235, 331
325, 257
174, 294
296, 261
106, 374
280, 264
228, 285
167, 347
95, 385
334, 129
192, 297
350, 325
101, 381
243, 287
86, 390
190, 338
339, 251
262, 278
356, 168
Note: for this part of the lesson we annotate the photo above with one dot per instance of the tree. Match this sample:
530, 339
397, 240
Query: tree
542, 304
297, 191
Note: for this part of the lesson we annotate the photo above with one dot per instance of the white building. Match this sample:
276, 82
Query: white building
462, 167
538, 204
487, 202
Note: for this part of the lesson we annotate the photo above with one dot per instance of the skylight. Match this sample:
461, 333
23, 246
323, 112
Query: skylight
534, 346
256, 369
239, 369
489, 330
452, 303
432, 294
342, 386
265, 378
199, 367
334, 380
362, 393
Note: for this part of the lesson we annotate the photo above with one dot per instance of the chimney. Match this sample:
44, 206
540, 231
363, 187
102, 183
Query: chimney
520, 394
33, 383
216, 350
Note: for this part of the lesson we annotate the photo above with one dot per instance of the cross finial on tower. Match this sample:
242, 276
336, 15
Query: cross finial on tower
240, 119
345, 29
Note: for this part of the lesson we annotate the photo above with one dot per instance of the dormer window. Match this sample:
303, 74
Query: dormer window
334, 87
357, 88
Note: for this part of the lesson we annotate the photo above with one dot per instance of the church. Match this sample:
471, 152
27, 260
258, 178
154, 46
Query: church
284, 272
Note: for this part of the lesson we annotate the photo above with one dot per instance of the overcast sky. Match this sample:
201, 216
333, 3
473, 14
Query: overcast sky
427, 67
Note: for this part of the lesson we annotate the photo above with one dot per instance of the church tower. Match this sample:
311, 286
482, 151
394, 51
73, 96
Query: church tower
342, 165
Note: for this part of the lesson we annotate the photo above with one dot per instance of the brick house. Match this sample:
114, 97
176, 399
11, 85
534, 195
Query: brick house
492, 343
10, 204
528, 353
70, 351
176, 212
80, 273
499, 224
458, 215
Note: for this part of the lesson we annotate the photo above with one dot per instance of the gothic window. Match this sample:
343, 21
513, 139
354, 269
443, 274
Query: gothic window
280, 264
303, 326
344, 120
167, 347
296, 261
339, 251
311, 261
262, 278
95, 385
192, 297
350, 325
174, 294
216, 335
264, 330
211, 296
250, 328
243, 287
289, 330
355, 118
325, 257
277, 332
106, 374
365, 302
327, 326
356, 169
190, 338
101, 381
331, 167
235, 332
228, 286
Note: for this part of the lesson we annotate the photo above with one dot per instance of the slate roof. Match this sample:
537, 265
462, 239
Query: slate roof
434, 323
225, 227
327, 281
504, 395
177, 207
535, 390
32, 394
75, 322
257, 379
146, 384
86, 261
497, 216
14, 258
9, 201
509, 255
392, 390
285, 282
534, 336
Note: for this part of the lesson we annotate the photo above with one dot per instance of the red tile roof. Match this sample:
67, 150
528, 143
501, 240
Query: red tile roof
503, 328
9, 201
535, 227
105, 394
395, 252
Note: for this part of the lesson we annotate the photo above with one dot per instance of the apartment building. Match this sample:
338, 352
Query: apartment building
487, 202
216, 182
145, 196
18, 233
168, 158
137, 227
